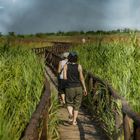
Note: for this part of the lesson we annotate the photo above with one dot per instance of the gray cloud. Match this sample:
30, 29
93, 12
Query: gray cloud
65, 15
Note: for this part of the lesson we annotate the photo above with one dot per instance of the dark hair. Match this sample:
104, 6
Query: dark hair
73, 57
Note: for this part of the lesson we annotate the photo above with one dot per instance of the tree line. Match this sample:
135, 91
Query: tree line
71, 33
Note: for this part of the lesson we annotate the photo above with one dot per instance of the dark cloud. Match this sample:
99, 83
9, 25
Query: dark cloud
65, 15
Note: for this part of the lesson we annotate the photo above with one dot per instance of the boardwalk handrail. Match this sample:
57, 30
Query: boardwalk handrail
52, 60
37, 127
126, 110
56, 48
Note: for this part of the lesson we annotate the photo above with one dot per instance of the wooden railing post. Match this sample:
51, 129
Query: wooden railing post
37, 128
44, 129
46, 115
126, 126
89, 81
136, 132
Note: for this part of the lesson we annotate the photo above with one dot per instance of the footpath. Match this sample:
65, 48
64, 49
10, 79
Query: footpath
86, 129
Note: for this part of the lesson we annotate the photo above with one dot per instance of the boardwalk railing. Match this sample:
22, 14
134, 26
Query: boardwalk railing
106, 99
58, 48
37, 127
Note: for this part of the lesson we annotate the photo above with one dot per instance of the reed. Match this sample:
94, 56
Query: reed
117, 63
21, 83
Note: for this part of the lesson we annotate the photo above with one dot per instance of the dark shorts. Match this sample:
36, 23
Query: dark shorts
61, 86
74, 97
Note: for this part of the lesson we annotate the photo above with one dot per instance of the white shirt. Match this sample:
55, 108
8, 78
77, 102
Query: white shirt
63, 62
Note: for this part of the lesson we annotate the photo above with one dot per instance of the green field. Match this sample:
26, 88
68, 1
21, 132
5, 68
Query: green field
114, 58
118, 63
21, 84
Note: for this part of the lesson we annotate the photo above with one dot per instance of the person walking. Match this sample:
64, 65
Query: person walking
75, 86
61, 81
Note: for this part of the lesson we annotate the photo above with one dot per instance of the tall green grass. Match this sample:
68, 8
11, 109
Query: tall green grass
53, 120
118, 63
21, 83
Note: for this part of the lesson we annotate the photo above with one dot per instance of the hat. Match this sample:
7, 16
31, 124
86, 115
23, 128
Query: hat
72, 54
65, 54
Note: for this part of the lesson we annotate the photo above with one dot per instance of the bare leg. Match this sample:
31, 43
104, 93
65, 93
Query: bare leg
75, 117
63, 98
70, 110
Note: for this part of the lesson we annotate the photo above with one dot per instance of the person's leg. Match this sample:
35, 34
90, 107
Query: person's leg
63, 90
75, 114
70, 111
63, 98
77, 103
69, 101
59, 91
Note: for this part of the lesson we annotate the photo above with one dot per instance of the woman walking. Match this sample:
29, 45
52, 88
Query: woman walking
75, 86
61, 81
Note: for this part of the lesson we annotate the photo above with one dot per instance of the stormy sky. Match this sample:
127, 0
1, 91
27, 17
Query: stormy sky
32, 16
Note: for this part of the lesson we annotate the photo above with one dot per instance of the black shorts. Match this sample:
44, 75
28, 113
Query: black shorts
61, 86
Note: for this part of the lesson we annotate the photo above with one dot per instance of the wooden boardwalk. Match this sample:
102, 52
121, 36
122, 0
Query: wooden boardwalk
86, 129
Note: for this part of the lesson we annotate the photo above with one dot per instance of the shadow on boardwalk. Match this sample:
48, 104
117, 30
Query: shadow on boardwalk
86, 129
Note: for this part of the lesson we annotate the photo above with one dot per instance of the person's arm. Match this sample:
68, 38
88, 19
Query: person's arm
59, 67
82, 79
65, 72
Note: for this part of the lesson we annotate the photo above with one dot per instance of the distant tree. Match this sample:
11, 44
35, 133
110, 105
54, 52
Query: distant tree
40, 35
82, 32
71, 33
118, 30
20, 36
100, 32
126, 30
29, 35
60, 33
90, 32
12, 34
49, 33
0, 34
